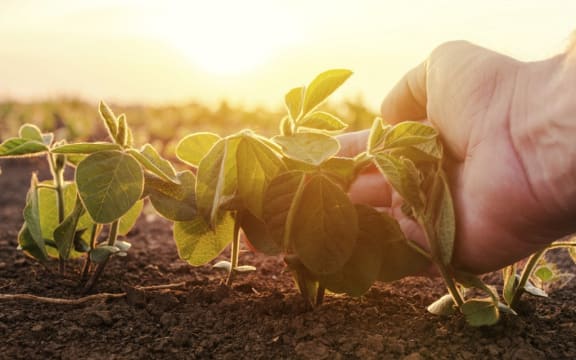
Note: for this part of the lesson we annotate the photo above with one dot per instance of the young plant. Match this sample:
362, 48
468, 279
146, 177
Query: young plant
64, 219
288, 194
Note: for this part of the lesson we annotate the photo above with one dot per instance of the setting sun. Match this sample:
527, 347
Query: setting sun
226, 38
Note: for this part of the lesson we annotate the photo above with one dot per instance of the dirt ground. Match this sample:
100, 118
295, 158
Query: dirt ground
261, 317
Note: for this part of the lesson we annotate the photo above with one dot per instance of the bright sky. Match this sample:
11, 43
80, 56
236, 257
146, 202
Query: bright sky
250, 51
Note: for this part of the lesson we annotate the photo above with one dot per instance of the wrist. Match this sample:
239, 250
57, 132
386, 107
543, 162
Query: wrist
543, 129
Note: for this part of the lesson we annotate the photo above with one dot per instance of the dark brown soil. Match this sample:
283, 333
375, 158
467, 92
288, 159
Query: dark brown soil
261, 317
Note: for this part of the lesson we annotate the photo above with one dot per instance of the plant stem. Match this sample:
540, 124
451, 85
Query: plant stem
58, 176
88, 262
100, 267
235, 252
526, 273
448, 280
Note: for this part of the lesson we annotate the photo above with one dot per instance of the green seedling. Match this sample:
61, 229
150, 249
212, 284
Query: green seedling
66, 218
288, 194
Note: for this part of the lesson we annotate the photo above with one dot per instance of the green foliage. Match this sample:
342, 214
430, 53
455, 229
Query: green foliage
287, 193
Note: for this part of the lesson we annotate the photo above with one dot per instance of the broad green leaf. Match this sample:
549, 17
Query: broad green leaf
278, 200
122, 135
66, 231
323, 121
325, 227
398, 258
480, 312
30, 237
377, 135
409, 133
293, 102
323, 86
510, 283
441, 218
18, 147
31, 132
257, 165
258, 235
153, 162
176, 202
363, 267
109, 184
198, 244
85, 148
217, 179
128, 220
444, 306
109, 119
192, 148
28, 244
340, 170
403, 176
312, 148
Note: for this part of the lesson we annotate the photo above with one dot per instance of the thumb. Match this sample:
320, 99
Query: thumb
407, 99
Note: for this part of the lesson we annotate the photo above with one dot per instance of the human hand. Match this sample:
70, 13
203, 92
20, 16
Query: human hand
507, 128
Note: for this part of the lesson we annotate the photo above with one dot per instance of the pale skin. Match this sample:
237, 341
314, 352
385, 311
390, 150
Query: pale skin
509, 132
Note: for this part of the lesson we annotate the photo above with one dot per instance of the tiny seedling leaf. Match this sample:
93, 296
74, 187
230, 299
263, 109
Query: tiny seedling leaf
377, 136
85, 148
409, 133
31, 132
323, 86
444, 306
198, 244
223, 265
21, 147
321, 120
149, 158
510, 283
122, 135
244, 268
480, 312
312, 148
109, 119
325, 227
293, 102
109, 184
192, 148
101, 254
403, 176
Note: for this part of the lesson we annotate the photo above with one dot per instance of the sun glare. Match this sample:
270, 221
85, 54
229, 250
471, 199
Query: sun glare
227, 38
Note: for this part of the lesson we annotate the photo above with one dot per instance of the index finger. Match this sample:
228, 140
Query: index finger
407, 99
